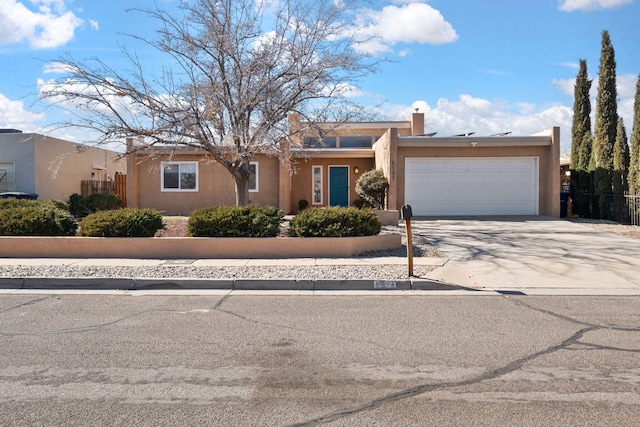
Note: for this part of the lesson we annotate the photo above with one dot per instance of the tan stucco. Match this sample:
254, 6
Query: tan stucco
194, 247
284, 184
545, 147
301, 183
215, 184
54, 168
62, 165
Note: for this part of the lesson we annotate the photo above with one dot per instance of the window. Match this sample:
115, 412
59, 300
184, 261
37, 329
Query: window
253, 180
316, 185
356, 141
179, 176
7, 177
314, 142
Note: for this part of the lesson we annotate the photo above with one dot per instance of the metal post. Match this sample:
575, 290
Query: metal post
409, 246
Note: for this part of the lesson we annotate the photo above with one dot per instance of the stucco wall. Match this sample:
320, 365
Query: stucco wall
215, 184
548, 193
301, 181
18, 148
62, 165
51, 167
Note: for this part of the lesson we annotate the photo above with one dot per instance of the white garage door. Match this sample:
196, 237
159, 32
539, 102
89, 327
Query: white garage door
472, 186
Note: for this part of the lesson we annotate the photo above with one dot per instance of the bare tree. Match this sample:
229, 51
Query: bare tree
235, 69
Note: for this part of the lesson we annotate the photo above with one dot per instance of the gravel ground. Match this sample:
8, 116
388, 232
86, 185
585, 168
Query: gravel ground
176, 226
631, 231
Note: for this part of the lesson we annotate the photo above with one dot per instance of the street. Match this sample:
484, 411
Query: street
300, 359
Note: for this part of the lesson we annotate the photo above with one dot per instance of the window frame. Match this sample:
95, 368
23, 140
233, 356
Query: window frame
179, 190
316, 178
256, 179
10, 178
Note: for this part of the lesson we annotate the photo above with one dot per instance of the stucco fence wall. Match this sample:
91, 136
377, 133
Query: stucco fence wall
194, 247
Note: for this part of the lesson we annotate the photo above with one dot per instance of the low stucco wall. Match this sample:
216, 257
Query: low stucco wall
193, 247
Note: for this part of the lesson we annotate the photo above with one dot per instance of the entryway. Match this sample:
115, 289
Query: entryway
339, 185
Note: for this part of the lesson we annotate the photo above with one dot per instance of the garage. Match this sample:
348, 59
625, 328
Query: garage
472, 186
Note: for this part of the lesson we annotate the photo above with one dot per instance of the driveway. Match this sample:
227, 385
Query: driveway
531, 254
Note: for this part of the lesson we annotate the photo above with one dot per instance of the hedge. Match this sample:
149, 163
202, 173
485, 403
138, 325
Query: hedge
35, 219
335, 222
128, 222
235, 221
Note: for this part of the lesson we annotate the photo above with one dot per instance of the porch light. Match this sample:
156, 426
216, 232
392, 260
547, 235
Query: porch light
356, 170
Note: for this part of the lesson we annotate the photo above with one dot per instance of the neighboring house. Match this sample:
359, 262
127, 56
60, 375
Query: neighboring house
495, 175
50, 167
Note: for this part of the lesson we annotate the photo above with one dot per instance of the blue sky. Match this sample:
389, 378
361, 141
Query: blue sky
484, 66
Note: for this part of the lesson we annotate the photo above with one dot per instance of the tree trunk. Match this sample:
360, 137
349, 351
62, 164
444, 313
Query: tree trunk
242, 191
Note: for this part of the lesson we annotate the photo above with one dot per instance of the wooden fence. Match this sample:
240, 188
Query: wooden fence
117, 186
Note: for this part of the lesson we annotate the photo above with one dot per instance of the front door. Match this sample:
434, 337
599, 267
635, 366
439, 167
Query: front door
338, 185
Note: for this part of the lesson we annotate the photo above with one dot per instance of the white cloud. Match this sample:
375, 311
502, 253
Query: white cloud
586, 5
566, 86
57, 68
13, 115
52, 25
626, 85
412, 22
94, 24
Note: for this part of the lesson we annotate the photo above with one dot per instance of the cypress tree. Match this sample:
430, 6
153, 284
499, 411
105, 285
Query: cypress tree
606, 127
620, 170
634, 162
581, 142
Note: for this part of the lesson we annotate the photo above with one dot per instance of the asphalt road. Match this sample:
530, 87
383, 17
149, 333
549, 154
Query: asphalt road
278, 360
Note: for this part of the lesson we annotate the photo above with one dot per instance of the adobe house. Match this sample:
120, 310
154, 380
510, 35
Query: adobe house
50, 167
464, 175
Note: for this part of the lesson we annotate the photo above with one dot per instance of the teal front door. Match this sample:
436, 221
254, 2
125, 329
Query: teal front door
338, 185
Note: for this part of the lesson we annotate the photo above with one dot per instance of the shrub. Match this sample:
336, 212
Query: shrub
80, 206
373, 186
22, 203
128, 222
235, 221
335, 222
35, 219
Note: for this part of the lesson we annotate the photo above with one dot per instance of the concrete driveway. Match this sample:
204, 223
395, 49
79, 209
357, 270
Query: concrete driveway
532, 255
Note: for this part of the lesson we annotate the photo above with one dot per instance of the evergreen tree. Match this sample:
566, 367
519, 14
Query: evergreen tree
621, 160
634, 163
581, 142
620, 170
606, 127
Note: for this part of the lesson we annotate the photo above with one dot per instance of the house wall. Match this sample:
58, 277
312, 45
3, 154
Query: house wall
61, 165
215, 185
386, 158
18, 148
53, 168
546, 152
301, 181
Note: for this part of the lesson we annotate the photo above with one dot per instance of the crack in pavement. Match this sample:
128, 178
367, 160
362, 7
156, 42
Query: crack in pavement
87, 328
217, 307
573, 340
425, 388
24, 304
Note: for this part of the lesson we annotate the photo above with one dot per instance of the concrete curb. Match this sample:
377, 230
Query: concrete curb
87, 283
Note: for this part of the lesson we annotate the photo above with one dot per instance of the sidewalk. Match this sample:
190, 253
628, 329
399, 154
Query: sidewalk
229, 283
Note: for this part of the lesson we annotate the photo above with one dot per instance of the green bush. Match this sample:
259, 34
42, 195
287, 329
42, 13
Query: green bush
22, 203
35, 219
335, 222
80, 206
373, 186
235, 221
128, 222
